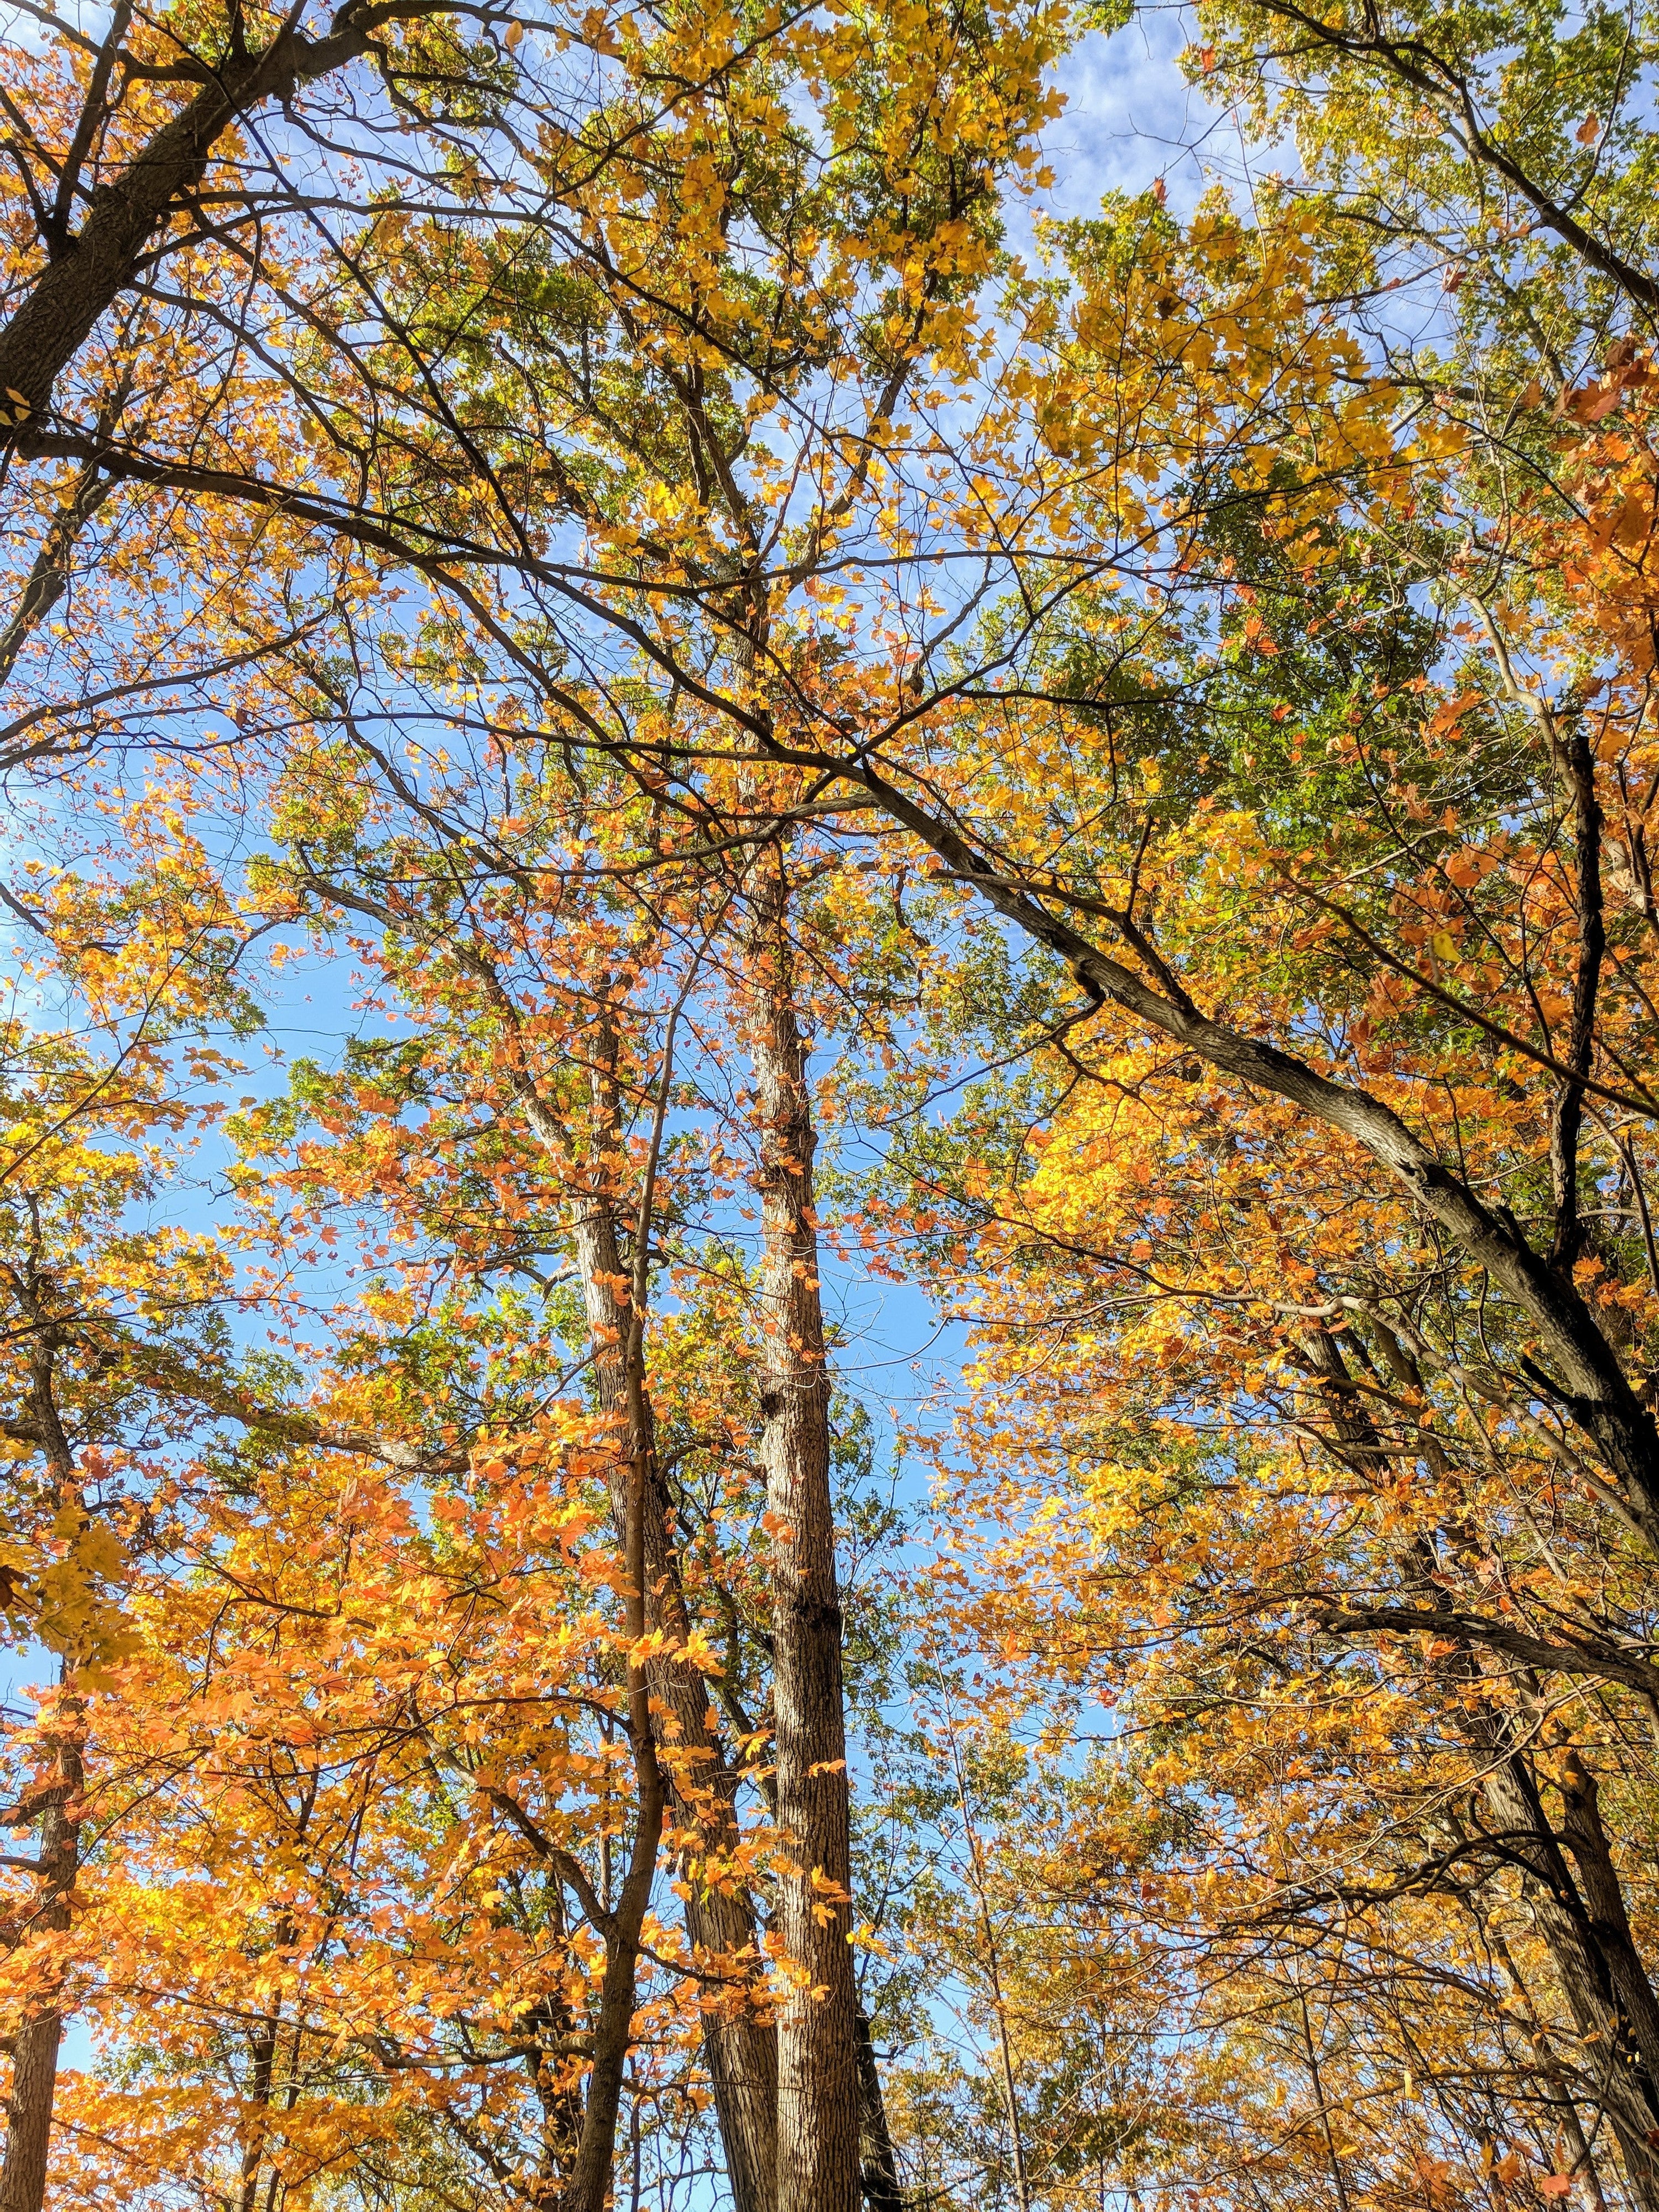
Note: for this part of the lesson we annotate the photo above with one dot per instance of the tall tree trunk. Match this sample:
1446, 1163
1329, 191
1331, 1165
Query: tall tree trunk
877, 2158
34, 2047
619, 1353
818, 2101
1604, 1900
1624, 2084
591, 2172
806, 2077
260, 2076
740, 2045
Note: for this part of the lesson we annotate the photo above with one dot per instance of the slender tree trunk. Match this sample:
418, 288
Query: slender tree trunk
591, 2174
829, 2101
740, 2045
34, 2063
619, 1349
878, 2160
818, 2101
258, 2095
34, 2046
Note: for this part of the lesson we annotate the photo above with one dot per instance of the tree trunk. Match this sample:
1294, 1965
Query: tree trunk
1584, 1925
34, 2047
1625, 2088
877, 2159
739, 2046
259, 2096
1604, 1900
818, 2101
590, 2176
619, 1354
35, 2062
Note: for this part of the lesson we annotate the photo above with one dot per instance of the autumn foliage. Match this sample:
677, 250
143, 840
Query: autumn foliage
828, 1183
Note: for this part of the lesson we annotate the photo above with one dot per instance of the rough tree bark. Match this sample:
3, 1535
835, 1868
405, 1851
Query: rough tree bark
1627, 2085
34, 2047
818, 2086
261, 2075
